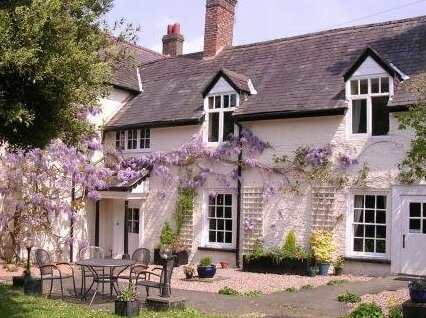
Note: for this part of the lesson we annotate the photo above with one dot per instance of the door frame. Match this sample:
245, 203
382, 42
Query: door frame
400, 195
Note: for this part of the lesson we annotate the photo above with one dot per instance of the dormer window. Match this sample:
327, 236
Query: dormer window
219, 117
369, 112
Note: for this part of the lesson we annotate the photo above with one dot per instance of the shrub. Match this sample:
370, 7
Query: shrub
340, 262
337, 282
308, 286
395, 311
367, 310
291, 289
256, 252
167, 234
228, 291
348, 297
290, 244
206, 261
253, 293
323, 246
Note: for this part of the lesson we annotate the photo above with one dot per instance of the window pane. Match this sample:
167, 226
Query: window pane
415, 210
212, 213
228, 125
363, 84
369, 231
381, 202
370, 201
226, 101
385, 84
211, 102
136, 227
359, 201
228, 199
380, 115
214, 127
220, 237
217, 102
369, 216
219, 199
354, 87
212, 224
375, 85
424, 210
380, 246
228, 212
358, 216
381, 217
381, 232
219, 212
359, 230
358, 245
369, 246
220, 225
414, 226
228, 225
228, 237
359, 116
212, 236
233, 100
424, 226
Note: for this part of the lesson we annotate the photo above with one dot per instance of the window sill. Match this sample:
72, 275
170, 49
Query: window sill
366, 259
217, 249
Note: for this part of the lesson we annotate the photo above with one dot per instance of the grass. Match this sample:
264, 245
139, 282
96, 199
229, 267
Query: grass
337, 282
291, 289
232, 292
348, 297
308, 286
14, 304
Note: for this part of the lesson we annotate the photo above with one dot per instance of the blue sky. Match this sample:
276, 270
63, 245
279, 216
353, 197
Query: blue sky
257, 20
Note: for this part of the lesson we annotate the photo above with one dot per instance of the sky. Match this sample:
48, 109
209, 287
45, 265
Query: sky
258, 20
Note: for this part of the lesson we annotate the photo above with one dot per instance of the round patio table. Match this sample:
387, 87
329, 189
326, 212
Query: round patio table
105, 263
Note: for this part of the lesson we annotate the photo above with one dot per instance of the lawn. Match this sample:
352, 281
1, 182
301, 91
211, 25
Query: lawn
13, 304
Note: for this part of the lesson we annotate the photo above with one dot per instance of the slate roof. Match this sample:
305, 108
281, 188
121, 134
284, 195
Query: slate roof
125, 76
293, 76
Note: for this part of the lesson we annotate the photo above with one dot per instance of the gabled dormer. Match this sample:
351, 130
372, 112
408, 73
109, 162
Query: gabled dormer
222, 95
370, 83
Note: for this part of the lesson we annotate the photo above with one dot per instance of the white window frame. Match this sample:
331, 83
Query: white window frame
350, 228
205, 224
138, 139
368, 97
131, 220
221, 112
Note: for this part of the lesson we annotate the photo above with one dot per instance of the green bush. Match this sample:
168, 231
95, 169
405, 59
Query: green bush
290, 244
228, 291
308, 286
395, 311
253, 293
337, 282
206, 261
367, 310
291, 289
348, 297
167, 234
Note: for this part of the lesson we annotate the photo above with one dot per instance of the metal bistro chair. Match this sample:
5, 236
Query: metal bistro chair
90, 252
142, 256
48, 269
144, 278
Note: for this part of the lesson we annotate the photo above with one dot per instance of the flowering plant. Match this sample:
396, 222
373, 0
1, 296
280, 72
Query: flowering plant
322, 245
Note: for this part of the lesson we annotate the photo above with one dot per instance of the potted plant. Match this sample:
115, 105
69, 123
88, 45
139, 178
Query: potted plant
224, 264
339, 264
323, 248
166, 238
312, 271
189, 271
206, 269
126, 303
417, 290
181, 253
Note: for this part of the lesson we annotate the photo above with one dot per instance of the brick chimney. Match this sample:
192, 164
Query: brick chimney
173, 41
219, 27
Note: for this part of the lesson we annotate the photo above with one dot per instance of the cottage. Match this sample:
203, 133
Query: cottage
332, 96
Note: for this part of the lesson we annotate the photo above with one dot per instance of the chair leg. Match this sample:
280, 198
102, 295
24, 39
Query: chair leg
73, 282
51, 287
93, 297
147, 291
62, 288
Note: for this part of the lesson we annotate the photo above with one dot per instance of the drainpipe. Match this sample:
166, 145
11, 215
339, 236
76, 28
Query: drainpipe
239, 175
72, 219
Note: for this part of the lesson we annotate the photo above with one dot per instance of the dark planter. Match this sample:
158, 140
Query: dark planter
338, 271
323, 269
181, 257
206, 271
127, 308
265, 264
312, 271
32, 286
417, 296
18, 281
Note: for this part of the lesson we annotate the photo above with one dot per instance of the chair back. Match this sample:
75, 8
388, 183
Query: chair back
141, 256
90, 252
166, 274
43, 258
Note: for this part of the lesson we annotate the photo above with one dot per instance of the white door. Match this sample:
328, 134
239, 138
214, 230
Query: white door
133, 218
413, 241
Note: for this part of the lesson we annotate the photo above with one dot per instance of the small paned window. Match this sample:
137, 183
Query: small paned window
417, 218
120, 139
220, 219
133, 220
145, 138
133, 139
220, 123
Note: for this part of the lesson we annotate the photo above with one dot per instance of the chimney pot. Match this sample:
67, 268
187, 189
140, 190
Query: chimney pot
176, 28
173, 41
170, 29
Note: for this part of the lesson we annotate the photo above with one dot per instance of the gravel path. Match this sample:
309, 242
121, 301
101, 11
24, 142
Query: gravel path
244, 281
387, 298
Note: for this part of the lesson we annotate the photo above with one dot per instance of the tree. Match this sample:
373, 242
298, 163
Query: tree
413, 167
56, 59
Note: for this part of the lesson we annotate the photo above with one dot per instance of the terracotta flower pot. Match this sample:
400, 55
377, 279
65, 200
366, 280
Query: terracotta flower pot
224, 264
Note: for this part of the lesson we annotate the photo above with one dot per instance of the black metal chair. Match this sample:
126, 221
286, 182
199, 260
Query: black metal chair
142, 256
90, 252
144, 277
48, 269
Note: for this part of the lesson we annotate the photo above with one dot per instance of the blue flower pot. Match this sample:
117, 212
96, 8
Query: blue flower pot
206, 271
323, 269
417, 296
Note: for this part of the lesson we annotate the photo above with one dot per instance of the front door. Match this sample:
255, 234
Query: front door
133, 229
413, 247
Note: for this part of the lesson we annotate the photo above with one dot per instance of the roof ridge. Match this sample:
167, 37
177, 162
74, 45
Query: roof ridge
327, 32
